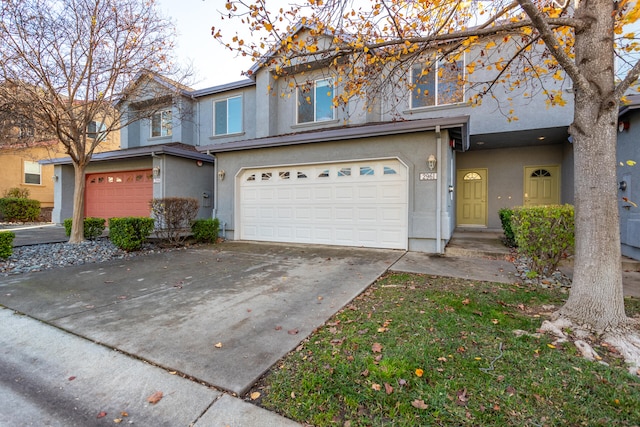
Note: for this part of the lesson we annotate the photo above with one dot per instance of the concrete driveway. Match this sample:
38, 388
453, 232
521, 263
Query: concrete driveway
221, 315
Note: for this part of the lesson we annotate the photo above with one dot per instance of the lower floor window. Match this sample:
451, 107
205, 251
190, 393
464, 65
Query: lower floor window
32, 173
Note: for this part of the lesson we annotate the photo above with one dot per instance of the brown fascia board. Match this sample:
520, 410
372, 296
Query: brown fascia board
131, 153
341, 133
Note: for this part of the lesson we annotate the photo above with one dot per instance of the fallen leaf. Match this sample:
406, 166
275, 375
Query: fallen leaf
466, 301
387, 388
278, 328
173, 372
402, 382
419, 372
376, 347
155, 397
117, 420
551, 346
255, 395
365, 373
293, 395
495, 321
442, 359
293, 331
101, 414
510, 390
376, 387
124, 414
419, 404
72, 378
218, 345
462, 397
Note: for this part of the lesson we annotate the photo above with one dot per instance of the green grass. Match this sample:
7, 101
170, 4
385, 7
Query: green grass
362, 367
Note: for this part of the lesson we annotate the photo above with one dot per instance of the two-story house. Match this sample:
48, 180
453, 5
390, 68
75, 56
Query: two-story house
22, 149
288, 165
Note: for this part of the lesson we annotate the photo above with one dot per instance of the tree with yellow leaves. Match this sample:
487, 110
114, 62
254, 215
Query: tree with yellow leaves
586, 43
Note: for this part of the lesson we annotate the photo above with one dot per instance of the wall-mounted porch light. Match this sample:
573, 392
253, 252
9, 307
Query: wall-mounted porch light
221, 174
431, 162
156, 171
54, 178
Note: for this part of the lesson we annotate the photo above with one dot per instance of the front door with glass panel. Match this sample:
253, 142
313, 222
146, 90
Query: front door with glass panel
471, 201
541, 185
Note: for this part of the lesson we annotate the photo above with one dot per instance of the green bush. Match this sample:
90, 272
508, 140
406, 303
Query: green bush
17, 193
93, 227
6, 243
173, 217
544, 234
131, 232
205, 230
505, 218
18, 209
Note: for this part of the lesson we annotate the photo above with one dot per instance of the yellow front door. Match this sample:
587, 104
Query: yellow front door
541, 185
471, 200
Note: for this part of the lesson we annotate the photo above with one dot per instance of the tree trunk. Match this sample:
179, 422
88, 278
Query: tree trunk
77, 229
596, 297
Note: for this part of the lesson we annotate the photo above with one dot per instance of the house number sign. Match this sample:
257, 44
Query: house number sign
428, 176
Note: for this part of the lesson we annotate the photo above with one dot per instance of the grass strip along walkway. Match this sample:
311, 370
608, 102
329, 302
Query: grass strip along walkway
423, 350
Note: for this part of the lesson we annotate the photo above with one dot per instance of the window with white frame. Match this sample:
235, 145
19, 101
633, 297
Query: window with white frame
440, 84
315, 101
32, 172
161, 124
227, 116
96, 130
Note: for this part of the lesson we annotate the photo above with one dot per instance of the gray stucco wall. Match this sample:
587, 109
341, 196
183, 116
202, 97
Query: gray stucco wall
506, 173
182, 177
411, 149
629, 149
205, 136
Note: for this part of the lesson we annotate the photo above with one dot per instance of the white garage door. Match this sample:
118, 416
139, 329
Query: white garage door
349, 204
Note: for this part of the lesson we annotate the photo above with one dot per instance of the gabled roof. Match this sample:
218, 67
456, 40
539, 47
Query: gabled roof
163, 81
223, 88
174, 149
460, 124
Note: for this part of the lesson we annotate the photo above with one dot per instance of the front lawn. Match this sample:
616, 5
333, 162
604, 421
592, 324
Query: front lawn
422, 350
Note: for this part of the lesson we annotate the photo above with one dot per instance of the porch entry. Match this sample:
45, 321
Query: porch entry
471, 199
541, 185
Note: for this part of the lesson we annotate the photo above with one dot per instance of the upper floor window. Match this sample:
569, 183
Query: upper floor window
439, 85
96, 129
32, 172
315, 101
161, 123
228, 116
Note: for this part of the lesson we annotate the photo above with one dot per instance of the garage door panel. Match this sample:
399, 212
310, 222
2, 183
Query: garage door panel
351, 204
118, 194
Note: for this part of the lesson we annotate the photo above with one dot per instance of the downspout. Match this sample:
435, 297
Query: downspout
438, 190
215, 185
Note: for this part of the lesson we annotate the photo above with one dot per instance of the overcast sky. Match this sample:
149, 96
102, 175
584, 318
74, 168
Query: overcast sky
214, 64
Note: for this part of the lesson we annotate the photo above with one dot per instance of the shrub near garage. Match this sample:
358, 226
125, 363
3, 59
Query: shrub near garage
131, 232
6, 243
205, 230
174, 216
93, 227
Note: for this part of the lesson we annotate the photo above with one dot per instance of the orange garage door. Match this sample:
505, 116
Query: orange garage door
118, 194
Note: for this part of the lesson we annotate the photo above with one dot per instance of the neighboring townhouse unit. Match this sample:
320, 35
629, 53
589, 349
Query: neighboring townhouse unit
282, 163
21, 154
629, 176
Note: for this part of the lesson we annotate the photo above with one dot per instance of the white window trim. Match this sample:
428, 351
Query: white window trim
24, 172
161, 113
315, 103
437, 91
241, 132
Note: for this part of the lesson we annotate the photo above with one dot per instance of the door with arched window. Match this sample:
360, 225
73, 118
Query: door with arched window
471, 200
541, 185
